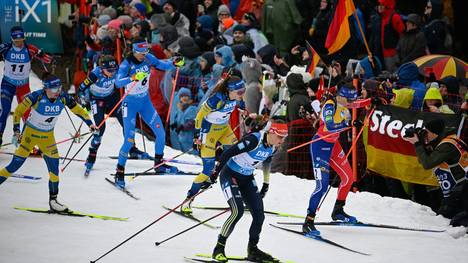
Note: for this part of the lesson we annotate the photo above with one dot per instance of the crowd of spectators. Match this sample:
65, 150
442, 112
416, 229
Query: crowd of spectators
265, 42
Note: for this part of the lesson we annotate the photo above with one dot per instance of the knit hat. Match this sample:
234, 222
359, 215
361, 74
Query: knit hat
435, 126
141, 8
223, 9
126, 20
239, 27
115, 24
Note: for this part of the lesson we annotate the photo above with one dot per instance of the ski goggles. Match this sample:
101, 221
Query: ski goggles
350, 94
140, 48
110, 66
53, 85
17, 35
280, 129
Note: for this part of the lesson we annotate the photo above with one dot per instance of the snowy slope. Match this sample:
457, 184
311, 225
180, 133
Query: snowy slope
41, 238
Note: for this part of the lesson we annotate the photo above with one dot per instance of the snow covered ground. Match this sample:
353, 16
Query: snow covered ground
41, 238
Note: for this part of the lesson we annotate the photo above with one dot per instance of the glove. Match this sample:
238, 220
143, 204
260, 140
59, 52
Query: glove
139, 76
94, 129
356, 123
16, 139
264, 190
211, 180
196, 140
178, 61
376, 101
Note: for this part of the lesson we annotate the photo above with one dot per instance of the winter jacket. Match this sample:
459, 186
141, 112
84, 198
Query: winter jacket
251, 72
298, 96
267, 54
408, 77
182, 23
227, 55
258, 38
385, 30
403, 97
370, 72
280, 23
436, 30
411, 45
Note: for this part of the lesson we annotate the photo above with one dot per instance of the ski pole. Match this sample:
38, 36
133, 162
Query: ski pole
69, 139
73, 142
174, 84
102, 123
105, 118
353, 145
318, 139
69, 117
192, 227
146, 227
142, 135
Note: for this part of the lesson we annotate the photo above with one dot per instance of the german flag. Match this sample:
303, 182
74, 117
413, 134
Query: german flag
339, 32
314, 59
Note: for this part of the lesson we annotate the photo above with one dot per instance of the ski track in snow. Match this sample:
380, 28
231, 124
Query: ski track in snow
42, 238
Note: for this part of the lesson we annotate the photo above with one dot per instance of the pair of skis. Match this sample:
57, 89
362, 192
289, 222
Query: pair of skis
71, 213
207, 258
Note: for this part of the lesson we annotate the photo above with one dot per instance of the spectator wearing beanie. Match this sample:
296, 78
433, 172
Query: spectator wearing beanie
179, 20
412, 43
138, 12
140, 29
206, 62
182, 125
168, 39
239, 34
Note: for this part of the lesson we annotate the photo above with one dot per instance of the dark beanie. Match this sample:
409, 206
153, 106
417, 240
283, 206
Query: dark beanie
435, 126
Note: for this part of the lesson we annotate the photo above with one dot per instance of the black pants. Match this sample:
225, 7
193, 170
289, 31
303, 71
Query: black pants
238, 189
101, 106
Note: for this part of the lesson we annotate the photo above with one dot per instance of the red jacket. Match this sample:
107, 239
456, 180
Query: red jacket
397, 24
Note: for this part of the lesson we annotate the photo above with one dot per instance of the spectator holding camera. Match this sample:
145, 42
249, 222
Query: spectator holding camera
443, 151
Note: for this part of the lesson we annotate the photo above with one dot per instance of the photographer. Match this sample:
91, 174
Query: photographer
447, 155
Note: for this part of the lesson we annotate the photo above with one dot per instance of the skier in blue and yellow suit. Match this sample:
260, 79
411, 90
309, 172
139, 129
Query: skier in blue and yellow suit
46, 105
212, 127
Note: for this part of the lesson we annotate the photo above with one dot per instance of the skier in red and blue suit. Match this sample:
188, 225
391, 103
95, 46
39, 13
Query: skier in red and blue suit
17, 56
327, 153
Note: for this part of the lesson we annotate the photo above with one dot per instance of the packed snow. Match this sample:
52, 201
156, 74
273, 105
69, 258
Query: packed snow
43, 238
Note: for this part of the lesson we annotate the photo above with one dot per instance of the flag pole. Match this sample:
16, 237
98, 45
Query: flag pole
369, 53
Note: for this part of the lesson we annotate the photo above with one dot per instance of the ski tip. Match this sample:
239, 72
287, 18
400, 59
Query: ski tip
157, 243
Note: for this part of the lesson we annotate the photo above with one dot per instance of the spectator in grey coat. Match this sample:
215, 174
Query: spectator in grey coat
412, 43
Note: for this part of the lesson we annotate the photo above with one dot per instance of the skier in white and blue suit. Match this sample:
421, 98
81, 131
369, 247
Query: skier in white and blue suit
237, 165
133, 76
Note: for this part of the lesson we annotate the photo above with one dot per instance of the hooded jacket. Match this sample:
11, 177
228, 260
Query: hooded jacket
434, 94
227, 55
298, 96
408, 74
251, 72
382, 26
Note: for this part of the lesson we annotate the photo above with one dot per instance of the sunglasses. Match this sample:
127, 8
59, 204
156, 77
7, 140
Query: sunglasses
111, 70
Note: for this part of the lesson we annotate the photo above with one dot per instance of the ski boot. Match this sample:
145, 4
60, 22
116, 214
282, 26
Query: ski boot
135, 153
90, 161
339, 214
55, 206
308, 228
218, 252
254, 254
186, 208
119, 177
160, 167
